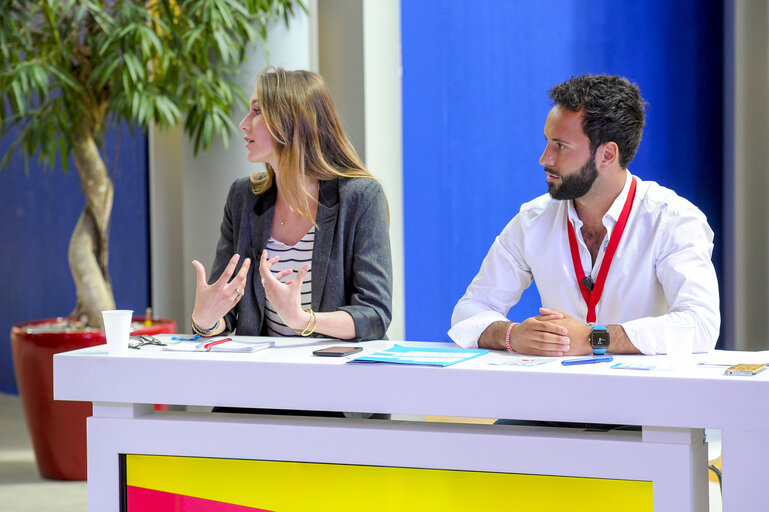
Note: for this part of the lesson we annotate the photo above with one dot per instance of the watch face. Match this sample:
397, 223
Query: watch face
599, 339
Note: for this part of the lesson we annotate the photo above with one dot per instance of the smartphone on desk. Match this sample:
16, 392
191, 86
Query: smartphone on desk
336, 351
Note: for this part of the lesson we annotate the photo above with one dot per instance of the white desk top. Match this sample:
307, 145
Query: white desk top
288, 376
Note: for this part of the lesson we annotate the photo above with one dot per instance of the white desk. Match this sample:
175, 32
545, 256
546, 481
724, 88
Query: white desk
672, 407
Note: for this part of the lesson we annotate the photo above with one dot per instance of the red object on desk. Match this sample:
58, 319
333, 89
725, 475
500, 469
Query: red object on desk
208, 346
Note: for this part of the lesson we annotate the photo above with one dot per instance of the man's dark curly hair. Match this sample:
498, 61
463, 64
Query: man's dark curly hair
613, 110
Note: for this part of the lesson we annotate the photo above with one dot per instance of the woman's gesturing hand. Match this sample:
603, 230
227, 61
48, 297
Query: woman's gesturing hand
285, 297
213, 301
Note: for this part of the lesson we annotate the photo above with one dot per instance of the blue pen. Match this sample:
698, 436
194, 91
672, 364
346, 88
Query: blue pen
587, 360
180, 338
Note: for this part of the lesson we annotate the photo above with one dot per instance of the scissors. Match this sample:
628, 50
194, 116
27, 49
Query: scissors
144, 339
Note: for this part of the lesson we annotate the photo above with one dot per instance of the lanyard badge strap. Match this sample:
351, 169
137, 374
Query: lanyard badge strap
592, 297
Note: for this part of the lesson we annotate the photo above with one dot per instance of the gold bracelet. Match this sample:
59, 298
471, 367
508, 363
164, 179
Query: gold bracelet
314, 325
311, 324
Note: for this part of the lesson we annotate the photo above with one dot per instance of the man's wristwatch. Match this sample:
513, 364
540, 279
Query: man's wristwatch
599, 339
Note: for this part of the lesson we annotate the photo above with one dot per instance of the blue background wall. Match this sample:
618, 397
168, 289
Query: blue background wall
475, 82
38, 214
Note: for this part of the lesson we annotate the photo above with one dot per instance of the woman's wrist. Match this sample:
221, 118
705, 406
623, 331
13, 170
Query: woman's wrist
312, 323
217, 328
206, 324
300, 319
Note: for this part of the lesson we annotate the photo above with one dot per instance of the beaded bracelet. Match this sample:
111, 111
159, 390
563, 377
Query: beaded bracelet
507, 336
213, 331
311, 324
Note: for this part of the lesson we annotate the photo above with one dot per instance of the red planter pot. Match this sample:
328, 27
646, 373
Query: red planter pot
57, 428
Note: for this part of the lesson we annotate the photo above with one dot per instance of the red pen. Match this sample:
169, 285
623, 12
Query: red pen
207, 346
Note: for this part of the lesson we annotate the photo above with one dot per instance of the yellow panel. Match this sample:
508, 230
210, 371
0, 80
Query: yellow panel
296, 486
711, 474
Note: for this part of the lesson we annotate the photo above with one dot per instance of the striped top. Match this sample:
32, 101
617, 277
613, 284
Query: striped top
292, 257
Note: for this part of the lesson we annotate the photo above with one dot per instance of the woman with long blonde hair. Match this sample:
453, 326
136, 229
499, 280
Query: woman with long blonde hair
316, 221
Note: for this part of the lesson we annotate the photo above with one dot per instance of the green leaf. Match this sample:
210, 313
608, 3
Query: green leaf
104, 71
166, 111
39, 76
192, 37
65, 79
135, 68
18, 97
225, 9
225, 49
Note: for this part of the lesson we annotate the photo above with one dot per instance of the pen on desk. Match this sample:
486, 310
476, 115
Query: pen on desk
182, 338
207, 346
587, 360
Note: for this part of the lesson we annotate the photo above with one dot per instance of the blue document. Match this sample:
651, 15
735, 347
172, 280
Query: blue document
399, 354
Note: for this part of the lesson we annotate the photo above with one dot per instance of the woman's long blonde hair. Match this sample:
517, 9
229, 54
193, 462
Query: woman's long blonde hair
307, 136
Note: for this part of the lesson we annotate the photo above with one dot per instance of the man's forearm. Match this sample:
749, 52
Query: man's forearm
494, 336
620, 343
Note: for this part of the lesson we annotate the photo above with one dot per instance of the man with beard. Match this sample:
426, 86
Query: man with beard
616, 260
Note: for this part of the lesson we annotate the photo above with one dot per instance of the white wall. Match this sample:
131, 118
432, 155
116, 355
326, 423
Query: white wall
384, 131
340, 62
167, 264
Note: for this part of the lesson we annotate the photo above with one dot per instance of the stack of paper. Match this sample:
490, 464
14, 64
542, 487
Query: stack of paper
218, 345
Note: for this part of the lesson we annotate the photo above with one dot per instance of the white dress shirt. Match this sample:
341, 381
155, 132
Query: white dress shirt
661, 274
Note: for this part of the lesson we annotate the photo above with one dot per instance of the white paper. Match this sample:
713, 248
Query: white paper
199, 345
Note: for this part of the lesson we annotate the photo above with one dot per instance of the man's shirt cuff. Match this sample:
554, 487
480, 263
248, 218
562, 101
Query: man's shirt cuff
466, 333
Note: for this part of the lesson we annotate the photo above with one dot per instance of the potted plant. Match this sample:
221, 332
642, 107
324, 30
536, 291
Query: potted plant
71, 69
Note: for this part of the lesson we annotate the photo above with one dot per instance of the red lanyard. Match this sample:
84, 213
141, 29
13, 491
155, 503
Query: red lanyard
592, 297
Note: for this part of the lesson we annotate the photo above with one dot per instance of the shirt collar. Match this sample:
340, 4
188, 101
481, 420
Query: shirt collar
614, 210
616, 207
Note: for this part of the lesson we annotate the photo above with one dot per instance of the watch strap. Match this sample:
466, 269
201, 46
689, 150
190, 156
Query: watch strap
598, 351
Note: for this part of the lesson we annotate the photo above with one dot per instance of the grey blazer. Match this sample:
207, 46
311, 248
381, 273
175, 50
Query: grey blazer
351, 259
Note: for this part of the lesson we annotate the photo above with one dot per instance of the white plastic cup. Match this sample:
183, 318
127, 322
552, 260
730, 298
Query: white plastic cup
117, 329
680, 344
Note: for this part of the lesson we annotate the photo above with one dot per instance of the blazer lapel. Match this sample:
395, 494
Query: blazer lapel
328, 210
260, 219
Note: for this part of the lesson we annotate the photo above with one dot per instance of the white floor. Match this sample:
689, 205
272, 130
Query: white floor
23, 490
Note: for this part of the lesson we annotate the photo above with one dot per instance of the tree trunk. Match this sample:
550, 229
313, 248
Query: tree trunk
88, 247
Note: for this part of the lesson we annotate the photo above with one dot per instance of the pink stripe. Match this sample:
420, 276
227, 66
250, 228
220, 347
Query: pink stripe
141, 499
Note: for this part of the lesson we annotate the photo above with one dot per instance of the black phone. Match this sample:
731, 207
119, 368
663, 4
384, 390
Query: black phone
336, 351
